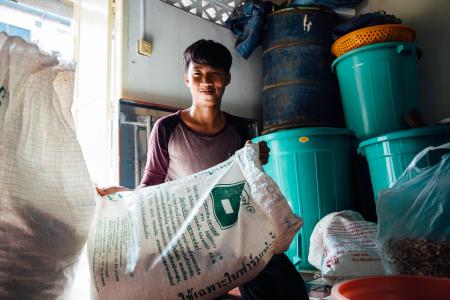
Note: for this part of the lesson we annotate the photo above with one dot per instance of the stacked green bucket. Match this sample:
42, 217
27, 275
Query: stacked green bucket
312, 167
379, 86
388, 155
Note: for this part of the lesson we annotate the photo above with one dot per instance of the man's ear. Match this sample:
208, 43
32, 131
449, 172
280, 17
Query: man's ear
186, 79
228, 79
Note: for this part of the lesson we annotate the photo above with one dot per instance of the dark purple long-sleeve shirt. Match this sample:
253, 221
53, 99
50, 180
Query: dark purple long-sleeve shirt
176, 151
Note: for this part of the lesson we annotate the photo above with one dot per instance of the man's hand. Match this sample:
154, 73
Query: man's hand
263, 152
111, 190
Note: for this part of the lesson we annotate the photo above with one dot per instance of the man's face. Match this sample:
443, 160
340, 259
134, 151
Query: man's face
207, 84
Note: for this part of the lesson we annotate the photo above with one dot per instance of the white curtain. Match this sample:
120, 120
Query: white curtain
93, 104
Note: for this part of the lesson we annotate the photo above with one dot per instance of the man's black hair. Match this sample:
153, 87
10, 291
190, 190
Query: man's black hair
207, 52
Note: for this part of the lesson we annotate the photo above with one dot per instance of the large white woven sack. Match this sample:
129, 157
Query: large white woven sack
194, 238
46, 196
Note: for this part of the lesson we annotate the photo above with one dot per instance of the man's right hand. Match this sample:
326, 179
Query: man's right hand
111, 190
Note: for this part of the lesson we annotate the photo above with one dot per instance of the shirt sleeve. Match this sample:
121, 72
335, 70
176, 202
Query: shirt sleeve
157, 155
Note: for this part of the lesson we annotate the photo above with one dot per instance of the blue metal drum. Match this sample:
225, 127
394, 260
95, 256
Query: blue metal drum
299, 88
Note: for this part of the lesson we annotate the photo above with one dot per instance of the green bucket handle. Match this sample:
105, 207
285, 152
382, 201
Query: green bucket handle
361, 151
408, 50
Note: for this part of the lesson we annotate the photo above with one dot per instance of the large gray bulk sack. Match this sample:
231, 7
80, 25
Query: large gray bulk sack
46, 196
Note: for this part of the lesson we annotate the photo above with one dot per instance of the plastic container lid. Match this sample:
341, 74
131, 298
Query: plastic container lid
409, 133
392, 288
418, 53
307, 131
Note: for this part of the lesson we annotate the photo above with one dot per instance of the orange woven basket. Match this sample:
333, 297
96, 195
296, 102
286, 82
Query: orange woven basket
372, 35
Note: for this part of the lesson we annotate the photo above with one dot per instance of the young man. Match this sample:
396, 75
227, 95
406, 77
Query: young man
202, 136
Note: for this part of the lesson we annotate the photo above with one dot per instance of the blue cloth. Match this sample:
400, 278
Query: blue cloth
327, 3
247, 23
366, 20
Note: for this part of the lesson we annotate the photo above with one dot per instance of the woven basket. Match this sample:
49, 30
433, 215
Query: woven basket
373, 35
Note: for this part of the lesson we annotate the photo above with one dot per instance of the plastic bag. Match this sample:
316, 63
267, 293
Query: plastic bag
343, 244
193, 238
414, 218
46, 196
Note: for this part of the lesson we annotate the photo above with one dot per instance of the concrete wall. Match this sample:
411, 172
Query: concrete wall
159, 78
431, 20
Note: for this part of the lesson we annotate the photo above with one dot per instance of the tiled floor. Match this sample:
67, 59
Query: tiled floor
317, 287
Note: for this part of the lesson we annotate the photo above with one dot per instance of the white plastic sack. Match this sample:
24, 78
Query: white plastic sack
47, 199
343, 244
194, 238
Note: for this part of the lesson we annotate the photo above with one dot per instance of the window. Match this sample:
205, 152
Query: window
15, 31
48, 23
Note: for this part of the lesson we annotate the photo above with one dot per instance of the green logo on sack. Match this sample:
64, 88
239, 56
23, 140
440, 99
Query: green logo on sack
227, 199
114, 197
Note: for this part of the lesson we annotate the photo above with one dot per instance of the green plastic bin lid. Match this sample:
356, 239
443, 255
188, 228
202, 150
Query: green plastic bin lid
305, 131
403, 46
405, 134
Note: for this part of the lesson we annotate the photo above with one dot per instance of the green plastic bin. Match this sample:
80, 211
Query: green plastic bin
312, 167
379, 85
389, 155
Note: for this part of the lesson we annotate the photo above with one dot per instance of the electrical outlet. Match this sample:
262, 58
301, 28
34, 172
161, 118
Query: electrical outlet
144, 47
